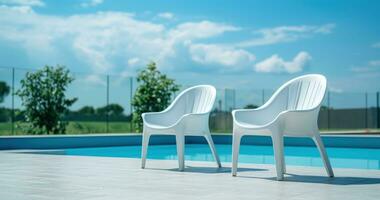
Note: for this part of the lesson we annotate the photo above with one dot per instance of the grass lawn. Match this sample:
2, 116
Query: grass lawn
77, 128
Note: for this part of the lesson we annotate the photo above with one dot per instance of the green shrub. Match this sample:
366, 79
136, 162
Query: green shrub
4, 90
153, 94
43, 96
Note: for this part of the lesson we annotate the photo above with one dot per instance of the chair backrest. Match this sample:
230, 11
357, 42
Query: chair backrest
301, 93
197, 99
306, 92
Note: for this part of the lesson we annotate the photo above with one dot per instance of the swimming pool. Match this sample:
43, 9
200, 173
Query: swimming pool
358, 158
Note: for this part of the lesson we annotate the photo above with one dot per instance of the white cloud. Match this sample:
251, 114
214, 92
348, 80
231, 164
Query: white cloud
375, 63
372, 66
91, 3
166, 15
110, 42
208, 54
134, 61
105, 42
199, 30
23, 2
20, 9
376, 45
282, 34
184, 33
335, 90
20, 6
361, 69
277, 65
93, 79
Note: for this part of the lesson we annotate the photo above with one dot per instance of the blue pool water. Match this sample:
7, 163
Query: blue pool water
358, 158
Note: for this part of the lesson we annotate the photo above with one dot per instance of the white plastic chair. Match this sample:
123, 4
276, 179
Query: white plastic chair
187, 115
291, 111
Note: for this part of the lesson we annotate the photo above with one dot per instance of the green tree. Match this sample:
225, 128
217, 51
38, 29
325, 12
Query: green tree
250, 106
43, 95
153, 94
112, 110
86, 110
5, 113
4, 91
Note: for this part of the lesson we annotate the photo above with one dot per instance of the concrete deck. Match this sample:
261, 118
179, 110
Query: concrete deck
32, 176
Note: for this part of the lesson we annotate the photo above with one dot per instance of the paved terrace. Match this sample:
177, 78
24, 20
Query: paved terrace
32, 176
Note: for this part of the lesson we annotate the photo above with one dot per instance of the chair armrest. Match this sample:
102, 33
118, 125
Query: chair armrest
261, 115
194, 121
299, 122
148, 115
162, 118
244, 112
299, 114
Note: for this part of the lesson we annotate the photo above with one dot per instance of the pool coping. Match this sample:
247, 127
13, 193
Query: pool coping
105, 140
324, 134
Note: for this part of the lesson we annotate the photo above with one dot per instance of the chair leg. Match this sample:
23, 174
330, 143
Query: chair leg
180, 139
283, 156
318, 141
278, 155
144, 151
213, 149
235, 152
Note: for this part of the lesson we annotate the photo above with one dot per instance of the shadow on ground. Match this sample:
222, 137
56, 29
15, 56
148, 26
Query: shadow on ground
208, 170
340, 180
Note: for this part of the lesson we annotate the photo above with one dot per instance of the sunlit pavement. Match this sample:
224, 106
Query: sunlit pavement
34, 176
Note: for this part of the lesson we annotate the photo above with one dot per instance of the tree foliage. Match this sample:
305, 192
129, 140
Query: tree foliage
250, 106
153, 94
4, 91
43, 96
86, 110
112, 109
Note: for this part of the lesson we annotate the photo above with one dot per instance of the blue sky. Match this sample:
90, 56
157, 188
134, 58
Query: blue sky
230, 44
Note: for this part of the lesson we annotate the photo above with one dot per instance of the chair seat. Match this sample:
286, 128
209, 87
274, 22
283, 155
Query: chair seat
248, 125
156, 126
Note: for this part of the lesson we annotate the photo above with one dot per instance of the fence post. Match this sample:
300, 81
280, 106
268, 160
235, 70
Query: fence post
130, 102
13, 100
230, 123
108, 98
366, 111
225, 109
225, 99
328, 109
378, 109
234, 99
